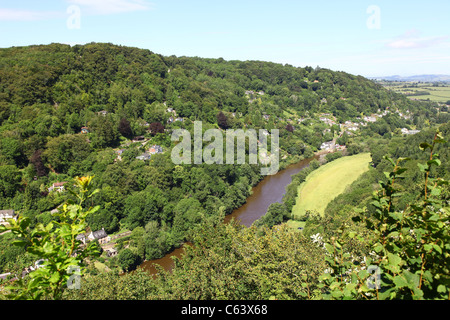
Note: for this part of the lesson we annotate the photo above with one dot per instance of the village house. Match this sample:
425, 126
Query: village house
119, 154
111, 252
57, 186
138, 139
99, 235
327, 121
81, 237
370, 119
179, 119
144, 156
170, 120
102, 113
409, 132
5, 215
155, 149
84, 130
327, 145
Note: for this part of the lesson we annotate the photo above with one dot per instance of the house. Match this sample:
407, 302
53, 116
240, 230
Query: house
409, 132
57, 186
266, 116
81, 237
99, 235
144, 156
327, 145
84, 130
5, 215
119, 154
179, 119
102, 113
111, 252
370, 119
155, 149
138, 138
170, 120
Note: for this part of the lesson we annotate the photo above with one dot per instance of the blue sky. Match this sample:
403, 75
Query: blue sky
370, 38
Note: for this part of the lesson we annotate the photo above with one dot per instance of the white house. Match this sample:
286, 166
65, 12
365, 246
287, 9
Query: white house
57, 186
5, 215
100, 235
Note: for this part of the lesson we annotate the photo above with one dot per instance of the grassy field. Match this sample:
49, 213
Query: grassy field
295, 225
440, 93
327, 182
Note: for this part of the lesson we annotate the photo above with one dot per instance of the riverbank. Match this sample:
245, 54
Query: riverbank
269, 190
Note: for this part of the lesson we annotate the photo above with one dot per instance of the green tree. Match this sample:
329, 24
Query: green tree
62, 151
128, 260
11, 149
104, 132
10, 180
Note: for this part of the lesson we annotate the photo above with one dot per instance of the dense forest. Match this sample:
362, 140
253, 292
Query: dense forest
92, 110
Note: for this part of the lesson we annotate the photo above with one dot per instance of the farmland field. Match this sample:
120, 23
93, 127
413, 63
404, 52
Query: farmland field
421, 91
327, 182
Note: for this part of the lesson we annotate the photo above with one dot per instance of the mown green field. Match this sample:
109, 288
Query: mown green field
327, 182
437, 94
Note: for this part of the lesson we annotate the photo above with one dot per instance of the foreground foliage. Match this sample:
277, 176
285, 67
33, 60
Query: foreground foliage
61, 254
410, 248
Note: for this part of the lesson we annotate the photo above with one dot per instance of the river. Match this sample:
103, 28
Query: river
269, 190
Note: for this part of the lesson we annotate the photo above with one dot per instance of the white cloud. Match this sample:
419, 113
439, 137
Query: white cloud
112, 6
412, 39
25, 15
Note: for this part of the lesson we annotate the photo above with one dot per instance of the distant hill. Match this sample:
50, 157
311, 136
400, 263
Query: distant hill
421, 78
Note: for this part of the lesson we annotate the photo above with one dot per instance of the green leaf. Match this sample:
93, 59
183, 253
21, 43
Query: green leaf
390, 160
437, 248
20, 243
400, 282
394, 262
55, 277
329, 248
441, 288
424, 145
422, 168
413, 279
436, 162
396, 215
24, 223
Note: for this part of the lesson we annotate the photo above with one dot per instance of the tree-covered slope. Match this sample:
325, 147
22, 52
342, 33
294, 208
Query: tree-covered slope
50, 93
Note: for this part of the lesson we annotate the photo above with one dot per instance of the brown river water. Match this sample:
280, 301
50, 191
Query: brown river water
269, 190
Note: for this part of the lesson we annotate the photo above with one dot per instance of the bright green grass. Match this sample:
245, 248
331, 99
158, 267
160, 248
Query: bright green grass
294, 225
437, 94
328, 181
